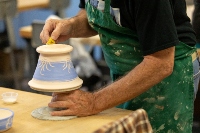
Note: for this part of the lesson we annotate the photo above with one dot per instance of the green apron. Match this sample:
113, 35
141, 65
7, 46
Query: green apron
169, 104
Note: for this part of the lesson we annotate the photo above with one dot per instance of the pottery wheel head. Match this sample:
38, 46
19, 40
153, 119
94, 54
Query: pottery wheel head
44, 113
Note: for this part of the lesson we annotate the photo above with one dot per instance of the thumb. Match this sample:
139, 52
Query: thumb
55, 34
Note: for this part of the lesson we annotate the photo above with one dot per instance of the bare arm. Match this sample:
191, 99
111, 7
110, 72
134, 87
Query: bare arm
81, 27
61, 30
152, 70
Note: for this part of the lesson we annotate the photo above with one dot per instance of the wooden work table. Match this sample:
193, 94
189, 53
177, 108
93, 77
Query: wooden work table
23, 122
23, 5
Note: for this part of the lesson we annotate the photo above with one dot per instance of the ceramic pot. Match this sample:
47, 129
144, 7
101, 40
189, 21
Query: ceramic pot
55, 71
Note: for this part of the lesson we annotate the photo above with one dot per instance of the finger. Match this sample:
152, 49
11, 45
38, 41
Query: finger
62, 38
58, 31
66, 112
59, 104
41, 37
47, 30
44, 36
55, 98
60, 97
60, 93
54, 93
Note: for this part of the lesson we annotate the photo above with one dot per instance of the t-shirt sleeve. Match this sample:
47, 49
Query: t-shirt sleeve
155, 25
82, 4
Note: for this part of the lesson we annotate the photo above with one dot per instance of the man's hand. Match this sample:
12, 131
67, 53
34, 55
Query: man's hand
78, 102
58, 30
61, 30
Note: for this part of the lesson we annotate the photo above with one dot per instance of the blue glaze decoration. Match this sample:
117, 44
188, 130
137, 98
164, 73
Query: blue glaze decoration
55, 71
6, 123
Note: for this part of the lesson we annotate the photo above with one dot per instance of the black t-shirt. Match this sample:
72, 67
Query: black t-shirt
159, 24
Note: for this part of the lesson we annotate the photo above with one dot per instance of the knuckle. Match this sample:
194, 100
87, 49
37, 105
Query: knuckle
48, 21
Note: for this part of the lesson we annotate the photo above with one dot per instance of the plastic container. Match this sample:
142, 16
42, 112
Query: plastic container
9, 97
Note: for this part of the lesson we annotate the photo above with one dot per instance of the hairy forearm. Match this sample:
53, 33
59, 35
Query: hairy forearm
149, 72
81, 27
